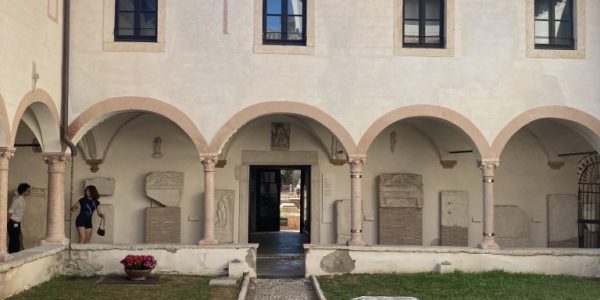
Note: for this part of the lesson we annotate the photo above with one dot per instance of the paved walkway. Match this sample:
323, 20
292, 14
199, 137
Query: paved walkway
280, 254
281, 289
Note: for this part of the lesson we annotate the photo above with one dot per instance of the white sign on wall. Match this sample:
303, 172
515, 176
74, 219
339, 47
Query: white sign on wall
327, 193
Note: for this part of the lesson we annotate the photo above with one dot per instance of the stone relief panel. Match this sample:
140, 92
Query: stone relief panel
400, 209
280, 136
512, 226
34, 219
163, 225
165, 187
562, 221
400, 190
454, 218
105, 185
224, 204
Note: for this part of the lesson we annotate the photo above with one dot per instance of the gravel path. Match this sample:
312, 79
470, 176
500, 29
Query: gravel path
281, 289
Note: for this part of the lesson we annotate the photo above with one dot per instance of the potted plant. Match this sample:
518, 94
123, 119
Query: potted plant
137, 267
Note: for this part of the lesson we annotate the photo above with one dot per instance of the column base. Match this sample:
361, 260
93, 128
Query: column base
355, 240
488, 243
60, 241
205, 242
5, 257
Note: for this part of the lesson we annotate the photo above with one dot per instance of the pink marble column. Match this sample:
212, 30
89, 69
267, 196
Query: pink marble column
55, 232
209, 162
488, 168
356, 164
5, 155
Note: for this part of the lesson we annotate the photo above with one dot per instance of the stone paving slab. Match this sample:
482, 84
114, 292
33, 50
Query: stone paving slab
281, 289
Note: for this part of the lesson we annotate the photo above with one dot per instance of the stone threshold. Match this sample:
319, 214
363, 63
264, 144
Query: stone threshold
468, 250
20, 258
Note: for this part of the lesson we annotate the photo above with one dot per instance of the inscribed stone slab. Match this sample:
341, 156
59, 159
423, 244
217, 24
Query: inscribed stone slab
165, 187
512, 226
400, 190
454, 218
224, 215
105, 185
400, 209
34, 219
163, 225
342, 221
562, 220
327, 199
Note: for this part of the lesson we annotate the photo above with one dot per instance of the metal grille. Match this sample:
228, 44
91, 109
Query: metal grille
589, 202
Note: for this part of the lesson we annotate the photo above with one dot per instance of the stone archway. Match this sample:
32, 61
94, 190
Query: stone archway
43, 120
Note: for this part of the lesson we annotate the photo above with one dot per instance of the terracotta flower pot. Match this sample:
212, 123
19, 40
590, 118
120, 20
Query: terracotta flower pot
138, 274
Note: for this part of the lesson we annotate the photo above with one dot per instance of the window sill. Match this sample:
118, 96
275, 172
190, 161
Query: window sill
134, 47
279, 49
556, 53
428, 52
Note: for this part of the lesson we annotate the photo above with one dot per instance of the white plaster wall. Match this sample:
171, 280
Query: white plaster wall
211, 76
583, 263
27, 34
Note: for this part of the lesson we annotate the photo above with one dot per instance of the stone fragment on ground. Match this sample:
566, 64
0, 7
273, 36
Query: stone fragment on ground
281, 289
223, 281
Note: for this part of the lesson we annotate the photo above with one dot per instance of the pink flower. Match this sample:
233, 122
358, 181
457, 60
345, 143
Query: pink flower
138, 262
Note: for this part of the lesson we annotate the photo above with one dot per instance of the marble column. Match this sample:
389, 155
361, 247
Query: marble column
488, 168
356, 165
55, 232
5, 155
209, 162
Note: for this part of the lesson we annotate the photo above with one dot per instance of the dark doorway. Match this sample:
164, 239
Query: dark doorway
279, 218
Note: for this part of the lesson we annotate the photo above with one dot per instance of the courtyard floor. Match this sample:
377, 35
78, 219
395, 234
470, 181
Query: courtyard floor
488, 285
169, 287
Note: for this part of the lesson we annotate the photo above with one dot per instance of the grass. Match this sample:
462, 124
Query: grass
488, 285
169, 287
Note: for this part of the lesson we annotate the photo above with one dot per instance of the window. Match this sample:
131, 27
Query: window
284, 22
554, 24
136, 20
423, 23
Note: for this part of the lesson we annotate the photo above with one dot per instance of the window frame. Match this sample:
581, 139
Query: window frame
284, 16
552, 26
137, 12
422, 20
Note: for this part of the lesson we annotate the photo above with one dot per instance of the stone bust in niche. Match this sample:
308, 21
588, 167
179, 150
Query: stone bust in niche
280, 136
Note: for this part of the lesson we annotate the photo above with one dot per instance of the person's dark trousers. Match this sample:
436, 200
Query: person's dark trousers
14, 236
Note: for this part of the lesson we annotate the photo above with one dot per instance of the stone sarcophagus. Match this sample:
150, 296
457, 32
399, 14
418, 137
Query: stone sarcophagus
400, 209
165, 187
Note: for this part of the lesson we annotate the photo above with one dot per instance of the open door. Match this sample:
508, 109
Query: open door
268, 188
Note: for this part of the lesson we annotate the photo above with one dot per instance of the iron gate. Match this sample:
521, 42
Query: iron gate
589, 202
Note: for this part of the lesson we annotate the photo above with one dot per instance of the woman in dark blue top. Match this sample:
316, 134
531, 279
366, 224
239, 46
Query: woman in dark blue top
88, 205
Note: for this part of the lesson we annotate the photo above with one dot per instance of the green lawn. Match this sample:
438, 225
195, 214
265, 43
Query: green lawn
169, 287
488, 285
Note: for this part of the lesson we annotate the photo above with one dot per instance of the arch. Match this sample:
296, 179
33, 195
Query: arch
281, 107
480, 144
586, 124
46, 116
107, 108
5, 123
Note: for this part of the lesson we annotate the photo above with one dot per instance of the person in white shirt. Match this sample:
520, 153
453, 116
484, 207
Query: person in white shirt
15, 215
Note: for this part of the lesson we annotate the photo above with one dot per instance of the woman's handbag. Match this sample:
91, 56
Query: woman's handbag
101, 230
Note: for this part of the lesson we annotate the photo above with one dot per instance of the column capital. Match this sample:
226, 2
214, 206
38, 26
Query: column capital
356, 162
488, 166
7, 152
56, 161
209, 160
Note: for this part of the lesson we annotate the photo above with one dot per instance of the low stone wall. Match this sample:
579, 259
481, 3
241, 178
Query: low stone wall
88, 260
337, 259
29, 268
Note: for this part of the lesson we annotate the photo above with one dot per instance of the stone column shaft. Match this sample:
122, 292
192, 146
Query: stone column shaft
5, 155
356, 164
488, 168
209, 162
55, 232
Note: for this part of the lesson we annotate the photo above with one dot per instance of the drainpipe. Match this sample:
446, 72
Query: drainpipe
64, 104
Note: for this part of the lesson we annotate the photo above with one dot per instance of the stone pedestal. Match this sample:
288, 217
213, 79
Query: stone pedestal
163, 225
400, 209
